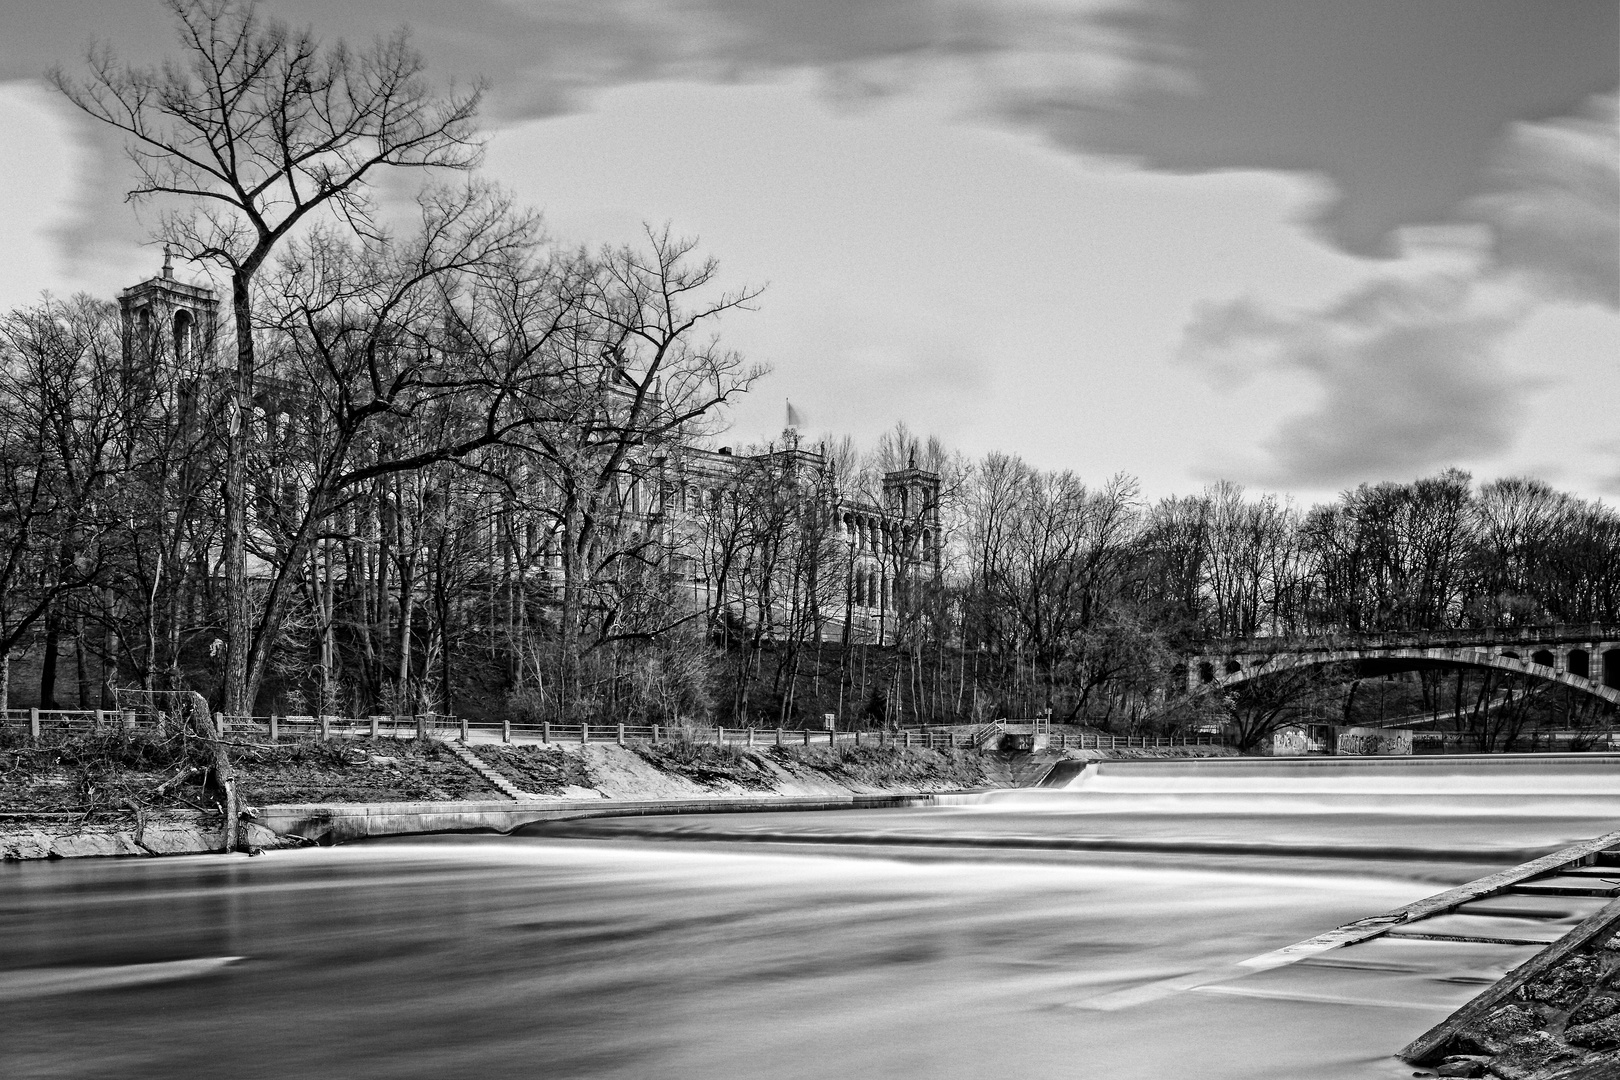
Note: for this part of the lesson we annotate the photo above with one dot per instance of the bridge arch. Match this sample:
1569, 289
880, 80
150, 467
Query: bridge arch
1260, 667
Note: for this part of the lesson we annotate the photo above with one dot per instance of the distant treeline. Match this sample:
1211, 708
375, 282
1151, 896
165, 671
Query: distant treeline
405, 558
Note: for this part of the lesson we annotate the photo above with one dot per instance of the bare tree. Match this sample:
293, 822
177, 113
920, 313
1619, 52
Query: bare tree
636, 376
255, 130
63, 413
378, 338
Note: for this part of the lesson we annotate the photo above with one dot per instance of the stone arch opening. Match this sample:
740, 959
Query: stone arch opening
1544, 657
1233, 667
1206, 672
1611, 668
1510, 654
1580, 663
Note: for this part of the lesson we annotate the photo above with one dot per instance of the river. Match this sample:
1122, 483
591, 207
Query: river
1084, 932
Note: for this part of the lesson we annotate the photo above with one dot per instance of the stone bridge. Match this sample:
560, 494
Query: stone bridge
1586, 657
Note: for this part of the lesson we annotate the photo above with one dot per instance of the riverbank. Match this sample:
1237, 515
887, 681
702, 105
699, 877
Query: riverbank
133, 793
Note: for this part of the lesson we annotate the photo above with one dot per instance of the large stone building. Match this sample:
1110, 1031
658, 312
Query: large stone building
881, 542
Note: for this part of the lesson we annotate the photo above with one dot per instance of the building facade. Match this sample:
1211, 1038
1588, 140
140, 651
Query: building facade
851, 557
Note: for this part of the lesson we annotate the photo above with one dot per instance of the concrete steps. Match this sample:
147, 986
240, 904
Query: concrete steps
482, 768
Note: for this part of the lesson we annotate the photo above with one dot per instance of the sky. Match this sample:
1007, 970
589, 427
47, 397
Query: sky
1297, 245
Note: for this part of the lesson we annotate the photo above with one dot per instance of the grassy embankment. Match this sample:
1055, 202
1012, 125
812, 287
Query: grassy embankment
119, 771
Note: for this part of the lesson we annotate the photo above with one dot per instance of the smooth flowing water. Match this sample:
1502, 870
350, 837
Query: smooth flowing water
1089, 931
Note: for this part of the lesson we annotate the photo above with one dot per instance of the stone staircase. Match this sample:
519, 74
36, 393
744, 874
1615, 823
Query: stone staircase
482, 768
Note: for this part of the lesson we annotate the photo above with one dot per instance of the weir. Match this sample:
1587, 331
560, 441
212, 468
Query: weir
1231, 919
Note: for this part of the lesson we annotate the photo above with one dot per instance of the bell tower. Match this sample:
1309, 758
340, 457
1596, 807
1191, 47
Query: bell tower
912, 496
167, 322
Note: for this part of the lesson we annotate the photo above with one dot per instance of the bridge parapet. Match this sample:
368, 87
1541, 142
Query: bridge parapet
1551, 634
1586, 656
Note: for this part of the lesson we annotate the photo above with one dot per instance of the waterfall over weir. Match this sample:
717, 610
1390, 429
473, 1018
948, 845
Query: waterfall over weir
1540, 785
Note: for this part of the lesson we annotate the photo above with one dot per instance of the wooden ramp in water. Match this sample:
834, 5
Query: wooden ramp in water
1535, 914
1500, 909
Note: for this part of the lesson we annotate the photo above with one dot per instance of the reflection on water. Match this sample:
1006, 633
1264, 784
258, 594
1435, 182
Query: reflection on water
980, 940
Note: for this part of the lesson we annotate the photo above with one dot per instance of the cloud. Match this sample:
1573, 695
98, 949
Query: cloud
99, 240
1407, 365
1552, 194
1407, 369
1014, 62
1018, 60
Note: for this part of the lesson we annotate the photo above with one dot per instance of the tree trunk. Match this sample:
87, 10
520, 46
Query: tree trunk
47, 667
81, 667
235, 566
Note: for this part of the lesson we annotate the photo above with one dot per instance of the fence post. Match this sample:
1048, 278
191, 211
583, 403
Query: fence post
326, 727
778, 736
275, 727
655, 734
857, 736
421, 725
807, 736
750, 736
101, 719
506, 730
545, 731
621, 734
584, 733
720, 735
907, 736
33, 724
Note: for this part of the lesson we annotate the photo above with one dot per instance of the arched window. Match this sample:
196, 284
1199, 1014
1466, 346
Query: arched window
185, 325
1580, 663
1544, 657
860, 588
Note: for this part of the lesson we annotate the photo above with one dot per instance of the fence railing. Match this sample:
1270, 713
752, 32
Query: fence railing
83, 721
279, 728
